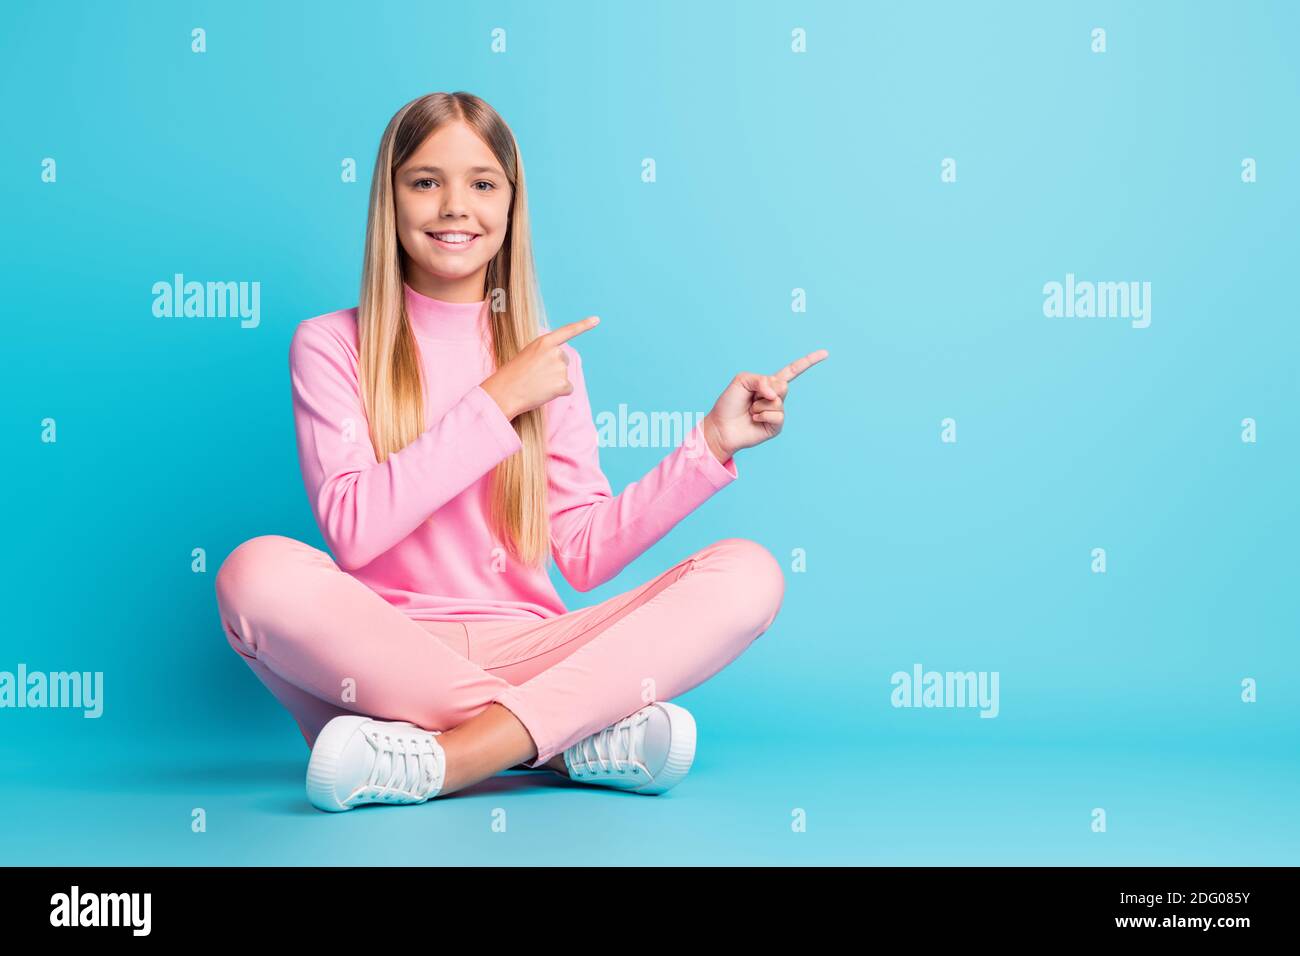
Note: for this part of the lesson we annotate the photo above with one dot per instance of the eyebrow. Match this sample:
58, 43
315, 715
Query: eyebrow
474, 169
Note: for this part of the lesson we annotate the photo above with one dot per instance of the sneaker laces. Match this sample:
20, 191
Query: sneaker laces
414, 765
615, 748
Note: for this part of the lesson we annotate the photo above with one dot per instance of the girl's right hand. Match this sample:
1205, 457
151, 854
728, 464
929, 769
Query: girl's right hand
539, 373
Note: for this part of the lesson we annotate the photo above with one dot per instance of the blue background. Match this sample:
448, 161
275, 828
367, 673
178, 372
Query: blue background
775, 171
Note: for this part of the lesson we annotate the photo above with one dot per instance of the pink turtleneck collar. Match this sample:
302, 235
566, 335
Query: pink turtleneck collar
449, 321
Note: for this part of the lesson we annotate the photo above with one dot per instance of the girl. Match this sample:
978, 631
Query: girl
449, 453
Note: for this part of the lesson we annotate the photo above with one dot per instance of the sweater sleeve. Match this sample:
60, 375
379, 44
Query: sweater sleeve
364, 508
594, 533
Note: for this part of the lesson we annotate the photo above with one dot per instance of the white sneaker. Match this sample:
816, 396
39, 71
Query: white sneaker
358, 760
647, 752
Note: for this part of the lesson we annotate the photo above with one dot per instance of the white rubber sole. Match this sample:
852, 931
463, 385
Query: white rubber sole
323, 767
681, 750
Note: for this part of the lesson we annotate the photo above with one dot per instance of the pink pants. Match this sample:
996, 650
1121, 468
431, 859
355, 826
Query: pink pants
325, 644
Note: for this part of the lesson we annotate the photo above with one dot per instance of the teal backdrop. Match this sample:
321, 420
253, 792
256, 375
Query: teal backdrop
1161, 692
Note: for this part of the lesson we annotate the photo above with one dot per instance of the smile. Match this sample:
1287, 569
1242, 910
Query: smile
453, 240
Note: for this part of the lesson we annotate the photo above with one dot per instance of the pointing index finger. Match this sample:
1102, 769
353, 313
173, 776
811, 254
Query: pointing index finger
801, 365
566, 332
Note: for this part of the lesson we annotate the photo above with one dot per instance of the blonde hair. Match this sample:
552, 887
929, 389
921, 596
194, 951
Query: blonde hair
389, 368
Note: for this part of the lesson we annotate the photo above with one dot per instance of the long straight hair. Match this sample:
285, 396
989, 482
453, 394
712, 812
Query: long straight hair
391, 382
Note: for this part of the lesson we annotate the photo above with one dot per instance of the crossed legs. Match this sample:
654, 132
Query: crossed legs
325, 644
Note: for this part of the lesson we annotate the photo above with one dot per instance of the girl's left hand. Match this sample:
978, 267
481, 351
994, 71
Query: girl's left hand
752, 408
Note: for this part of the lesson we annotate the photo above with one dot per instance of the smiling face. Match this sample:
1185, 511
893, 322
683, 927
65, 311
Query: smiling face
453, 207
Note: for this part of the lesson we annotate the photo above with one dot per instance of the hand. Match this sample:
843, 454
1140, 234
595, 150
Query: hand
739, 420
539, 373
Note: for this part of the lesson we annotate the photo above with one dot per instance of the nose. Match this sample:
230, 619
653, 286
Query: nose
453, 201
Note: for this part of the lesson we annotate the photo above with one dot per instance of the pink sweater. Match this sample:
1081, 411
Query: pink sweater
373, 516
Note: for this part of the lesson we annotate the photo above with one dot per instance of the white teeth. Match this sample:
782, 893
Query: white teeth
453, 236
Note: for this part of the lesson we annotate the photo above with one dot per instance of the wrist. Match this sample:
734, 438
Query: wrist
507, 407
714, 441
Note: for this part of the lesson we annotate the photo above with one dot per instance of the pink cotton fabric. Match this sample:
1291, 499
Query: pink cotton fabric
414, 528
328, 646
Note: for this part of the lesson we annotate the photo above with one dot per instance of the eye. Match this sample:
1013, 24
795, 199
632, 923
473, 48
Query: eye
416, 184
484, 182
